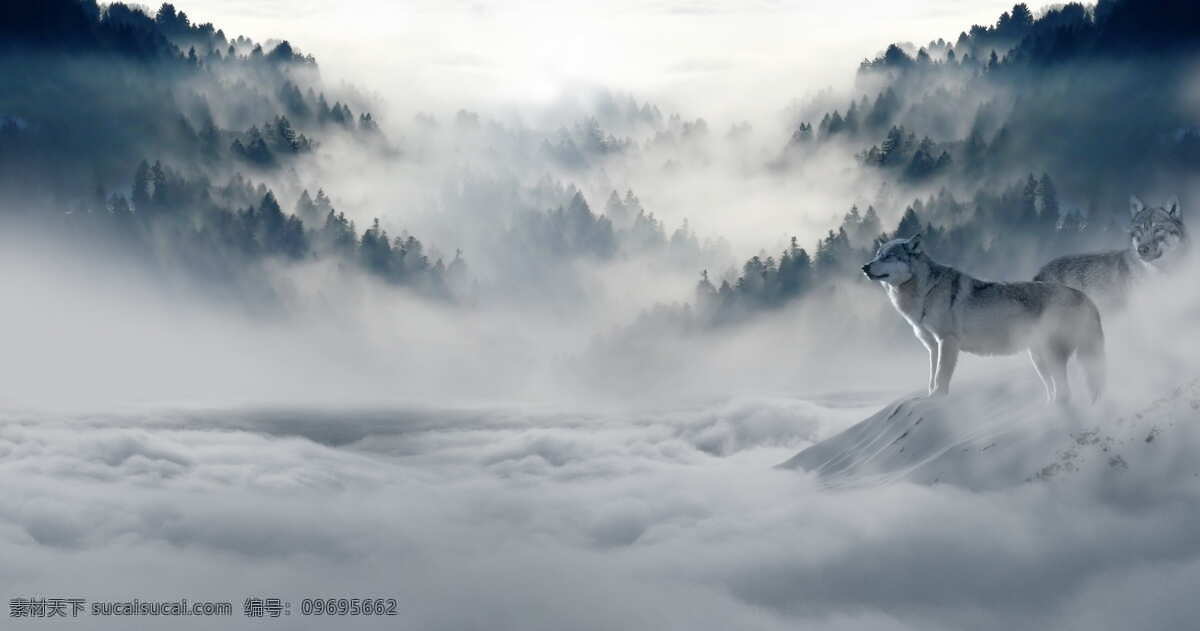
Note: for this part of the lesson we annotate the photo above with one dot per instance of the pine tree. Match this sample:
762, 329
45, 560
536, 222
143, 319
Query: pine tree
160, 197
850, 123
366, 123
141, 188
306, 209
376, 250
1048, 209
706, 294
922, 163
1027, 214
887, 104
323, 203
210, 140
836, 124
803, 134
456, 272
910, 224
894, 147
871, 227
616, 210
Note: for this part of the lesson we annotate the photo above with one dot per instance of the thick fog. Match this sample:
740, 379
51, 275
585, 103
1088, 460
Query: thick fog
460, 165
722, 60
511, 312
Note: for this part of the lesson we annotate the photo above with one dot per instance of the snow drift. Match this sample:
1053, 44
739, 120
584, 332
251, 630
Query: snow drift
996, 434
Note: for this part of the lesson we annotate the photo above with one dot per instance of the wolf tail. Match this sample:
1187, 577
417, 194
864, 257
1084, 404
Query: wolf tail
1091, 353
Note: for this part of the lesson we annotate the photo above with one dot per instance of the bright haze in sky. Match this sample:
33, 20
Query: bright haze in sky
712, 58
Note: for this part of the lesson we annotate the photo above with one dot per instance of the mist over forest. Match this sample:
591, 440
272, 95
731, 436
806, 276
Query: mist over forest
234, 271
239, 169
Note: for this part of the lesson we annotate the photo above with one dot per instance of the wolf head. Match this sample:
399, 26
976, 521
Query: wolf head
896, 261
1157, 234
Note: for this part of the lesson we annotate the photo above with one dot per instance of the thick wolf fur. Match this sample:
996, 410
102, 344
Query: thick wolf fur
1157, 240
951, 311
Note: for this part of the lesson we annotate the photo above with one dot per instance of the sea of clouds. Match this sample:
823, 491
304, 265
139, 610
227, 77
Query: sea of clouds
517, 518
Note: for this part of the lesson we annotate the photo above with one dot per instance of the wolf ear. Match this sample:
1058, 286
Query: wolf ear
1135, 205
914, 244
1172, 206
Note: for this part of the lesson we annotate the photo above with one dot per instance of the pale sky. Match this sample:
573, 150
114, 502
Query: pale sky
716, 56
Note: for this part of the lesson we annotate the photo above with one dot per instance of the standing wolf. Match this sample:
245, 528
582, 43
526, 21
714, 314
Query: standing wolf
951, 311
1157, 241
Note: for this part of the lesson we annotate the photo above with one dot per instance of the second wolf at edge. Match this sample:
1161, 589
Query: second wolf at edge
1158, 243
951, 311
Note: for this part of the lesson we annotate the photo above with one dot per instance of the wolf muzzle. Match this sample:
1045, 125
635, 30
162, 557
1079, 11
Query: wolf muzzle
866, 270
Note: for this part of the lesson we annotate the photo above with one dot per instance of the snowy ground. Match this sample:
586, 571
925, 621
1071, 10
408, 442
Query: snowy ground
987, 510
993, 435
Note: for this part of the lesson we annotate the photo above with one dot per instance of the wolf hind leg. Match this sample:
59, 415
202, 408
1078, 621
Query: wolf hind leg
1091, 356
947, 359
1042, 365
1058, 357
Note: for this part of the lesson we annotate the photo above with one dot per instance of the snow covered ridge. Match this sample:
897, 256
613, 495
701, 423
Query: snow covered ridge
995, 435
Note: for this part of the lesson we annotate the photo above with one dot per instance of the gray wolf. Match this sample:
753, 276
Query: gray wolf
951, 311
1157, 240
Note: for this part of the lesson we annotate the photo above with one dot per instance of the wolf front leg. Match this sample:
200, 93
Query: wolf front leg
947, 359
931, 345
